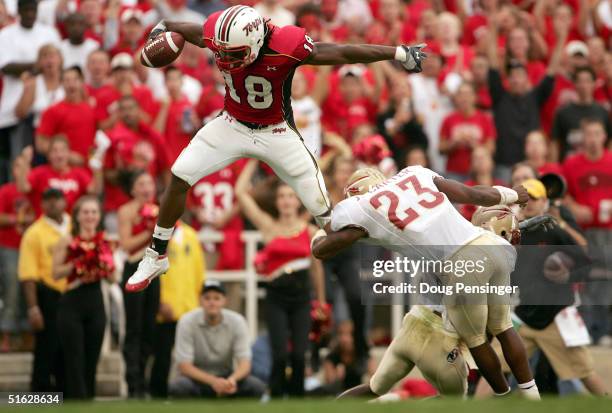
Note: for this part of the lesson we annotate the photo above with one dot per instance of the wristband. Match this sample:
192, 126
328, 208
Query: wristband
400, 54
319, 234
507, 196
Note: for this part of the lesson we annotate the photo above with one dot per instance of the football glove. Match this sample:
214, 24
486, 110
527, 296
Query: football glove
543, 222
414, 57
158, 29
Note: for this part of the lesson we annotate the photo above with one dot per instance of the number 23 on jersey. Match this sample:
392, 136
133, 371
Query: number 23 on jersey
426, 198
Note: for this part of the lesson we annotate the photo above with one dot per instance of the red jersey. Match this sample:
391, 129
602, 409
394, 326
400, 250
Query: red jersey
132, 150
284, 255
475, 27
214, 195
210, 103
478, 126
76, 121
72, 183
13, 202
261, 92
562, 94
107, 97
590, 183
175, 137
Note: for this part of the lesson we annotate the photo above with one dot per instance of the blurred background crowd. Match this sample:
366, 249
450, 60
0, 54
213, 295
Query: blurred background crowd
510, 90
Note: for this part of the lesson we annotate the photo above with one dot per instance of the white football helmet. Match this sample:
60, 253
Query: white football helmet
239, 35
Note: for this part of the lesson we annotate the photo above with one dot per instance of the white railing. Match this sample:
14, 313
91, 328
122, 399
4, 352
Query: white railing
249, 277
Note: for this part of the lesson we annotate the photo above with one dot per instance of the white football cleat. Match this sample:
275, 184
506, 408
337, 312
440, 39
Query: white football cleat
152, 265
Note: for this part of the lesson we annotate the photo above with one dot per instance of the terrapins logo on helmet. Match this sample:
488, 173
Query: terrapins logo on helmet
254, 25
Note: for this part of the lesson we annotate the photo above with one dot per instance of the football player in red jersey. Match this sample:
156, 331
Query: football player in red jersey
258, 61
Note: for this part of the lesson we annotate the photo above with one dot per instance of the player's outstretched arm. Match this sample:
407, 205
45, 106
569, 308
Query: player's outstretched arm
326, 246
480, 194
410, 57
191, 32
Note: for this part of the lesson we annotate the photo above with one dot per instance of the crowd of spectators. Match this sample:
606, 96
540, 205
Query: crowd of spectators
508, 84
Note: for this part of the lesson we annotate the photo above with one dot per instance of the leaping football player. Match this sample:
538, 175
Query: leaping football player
258, 61
413, 210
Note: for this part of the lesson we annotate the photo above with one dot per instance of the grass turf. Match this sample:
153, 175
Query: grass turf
506, 405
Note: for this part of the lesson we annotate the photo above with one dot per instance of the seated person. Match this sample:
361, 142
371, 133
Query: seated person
208, 366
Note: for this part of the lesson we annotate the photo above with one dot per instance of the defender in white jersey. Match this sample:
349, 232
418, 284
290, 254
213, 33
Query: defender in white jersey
413, 212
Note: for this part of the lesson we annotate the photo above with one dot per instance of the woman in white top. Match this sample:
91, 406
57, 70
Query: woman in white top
44, 89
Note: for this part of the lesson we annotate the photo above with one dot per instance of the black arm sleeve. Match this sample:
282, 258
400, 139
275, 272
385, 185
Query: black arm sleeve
496, 87
544, 89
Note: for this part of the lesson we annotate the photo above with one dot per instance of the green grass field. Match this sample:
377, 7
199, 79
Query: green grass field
507, 405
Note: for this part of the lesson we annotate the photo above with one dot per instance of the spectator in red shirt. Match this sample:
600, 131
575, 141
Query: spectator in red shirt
73, 118
457, 56
97, 72
478, 75
589, 181
388, 28
16, 215
547, 11
131, 32
463, 130
72, 181
481, 173
597, 55
177, 121
211, 98
354, 103
589, 178
214, 206
123, 84
135, 146
537, 154
476, 25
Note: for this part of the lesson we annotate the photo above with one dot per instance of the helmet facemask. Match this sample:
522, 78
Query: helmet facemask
233, 59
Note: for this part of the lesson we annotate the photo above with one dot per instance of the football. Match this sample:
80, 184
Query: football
162, 50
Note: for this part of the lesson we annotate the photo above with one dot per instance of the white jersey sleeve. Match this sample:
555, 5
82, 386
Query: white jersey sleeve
346, 214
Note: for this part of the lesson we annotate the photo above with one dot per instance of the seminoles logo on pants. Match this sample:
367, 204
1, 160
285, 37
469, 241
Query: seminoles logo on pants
452, 356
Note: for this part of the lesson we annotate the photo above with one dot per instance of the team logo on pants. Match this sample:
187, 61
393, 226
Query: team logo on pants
452, 356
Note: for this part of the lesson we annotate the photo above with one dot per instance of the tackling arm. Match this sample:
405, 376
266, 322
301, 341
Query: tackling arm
338, 54
331, 244
480, 194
